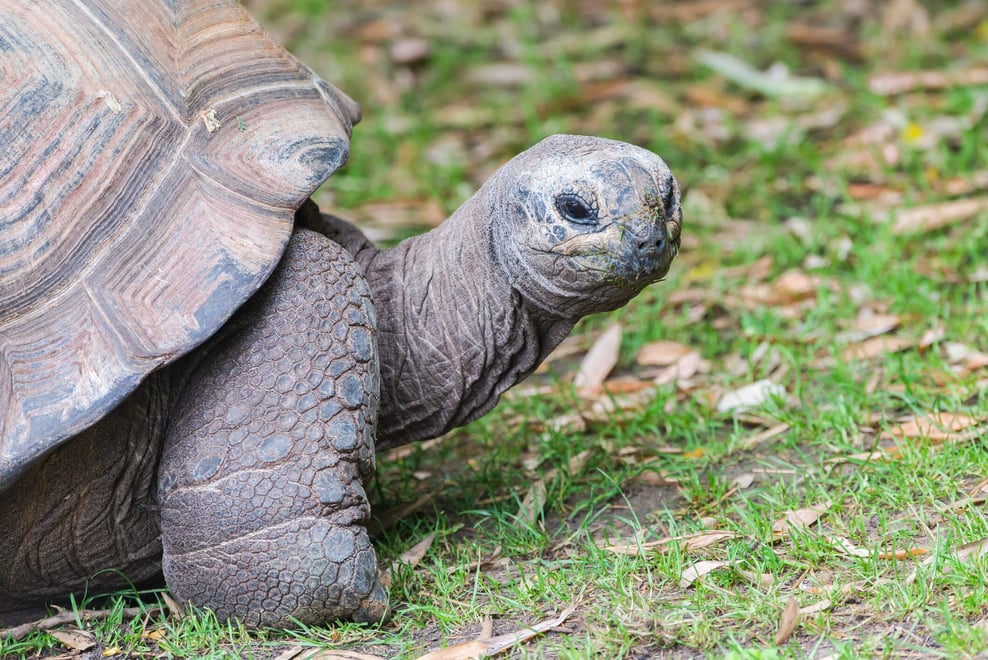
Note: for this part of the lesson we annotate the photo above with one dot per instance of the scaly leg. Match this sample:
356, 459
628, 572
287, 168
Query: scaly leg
262, 502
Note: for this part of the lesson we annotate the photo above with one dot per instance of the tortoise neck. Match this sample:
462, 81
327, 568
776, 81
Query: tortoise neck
453, 334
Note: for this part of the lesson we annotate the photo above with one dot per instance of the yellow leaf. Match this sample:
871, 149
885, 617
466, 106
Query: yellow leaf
694, 453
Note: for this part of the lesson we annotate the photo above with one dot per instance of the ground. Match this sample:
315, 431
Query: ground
777, 452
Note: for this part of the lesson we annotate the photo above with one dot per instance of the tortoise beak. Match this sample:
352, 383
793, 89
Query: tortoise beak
645, 249
649, 239
633, 250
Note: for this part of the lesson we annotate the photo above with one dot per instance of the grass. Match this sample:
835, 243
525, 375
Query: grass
764, 201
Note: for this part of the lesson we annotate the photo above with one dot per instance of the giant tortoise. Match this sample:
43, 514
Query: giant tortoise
196, 365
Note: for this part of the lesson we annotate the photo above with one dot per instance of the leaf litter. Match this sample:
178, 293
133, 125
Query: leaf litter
884, 166
491, 645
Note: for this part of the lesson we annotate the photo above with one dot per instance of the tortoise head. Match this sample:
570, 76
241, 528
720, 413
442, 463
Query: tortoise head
582, 224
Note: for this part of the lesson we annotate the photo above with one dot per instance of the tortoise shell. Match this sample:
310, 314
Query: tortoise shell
152, 156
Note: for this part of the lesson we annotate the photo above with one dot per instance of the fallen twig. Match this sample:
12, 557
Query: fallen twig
69, 616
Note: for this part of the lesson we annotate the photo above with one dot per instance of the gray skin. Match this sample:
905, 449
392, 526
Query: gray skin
239, 471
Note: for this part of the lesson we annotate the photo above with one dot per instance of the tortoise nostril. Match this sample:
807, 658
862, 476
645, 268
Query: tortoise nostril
653, 246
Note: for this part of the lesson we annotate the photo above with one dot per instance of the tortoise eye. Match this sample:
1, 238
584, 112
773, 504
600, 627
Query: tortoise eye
669, 202
575, 209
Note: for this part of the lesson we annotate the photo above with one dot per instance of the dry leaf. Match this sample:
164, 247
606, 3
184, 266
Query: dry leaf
975, 361
892, 83
485, 647
824, 37
772, 131
875, 347
334, 654
414, 555
743, 480
410, 557
64, 617
689, 12
937, 427
705, 539
979, 491
699, 569
410, 50
576, 463
662, 353
967, 552
902, 553
626, 385
879, 192
932, 336
177, 611
686, 542
824, 604
794, 285
761, 579
567, 424
80, 640
685, 367
867, 326
973, 550
501, 74
290, 653
534, 502
654, 478
845, 546
906, 19
749, 396
747, 444
890, 454
474, 565
598, 362
798, 519
787, 622
111, 651
936, 216
785, 292
464, 651
602, 409
486, 628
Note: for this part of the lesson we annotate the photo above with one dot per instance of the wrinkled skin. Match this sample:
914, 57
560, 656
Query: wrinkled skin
239, 470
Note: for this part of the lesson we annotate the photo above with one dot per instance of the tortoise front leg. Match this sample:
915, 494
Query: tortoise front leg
262, 503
